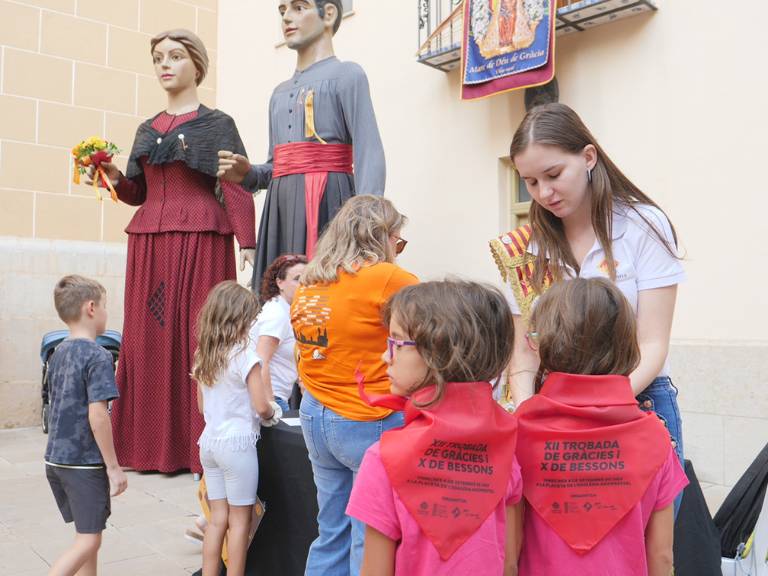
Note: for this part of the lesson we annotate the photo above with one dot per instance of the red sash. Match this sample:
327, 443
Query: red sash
315, 161
588, 454
451, 463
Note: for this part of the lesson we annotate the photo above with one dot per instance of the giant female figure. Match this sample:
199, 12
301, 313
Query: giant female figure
180, 244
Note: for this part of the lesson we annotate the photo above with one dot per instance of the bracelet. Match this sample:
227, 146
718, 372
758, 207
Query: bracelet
271, 417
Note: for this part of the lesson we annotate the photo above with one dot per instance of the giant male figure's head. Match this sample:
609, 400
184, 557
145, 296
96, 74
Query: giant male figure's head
304, 22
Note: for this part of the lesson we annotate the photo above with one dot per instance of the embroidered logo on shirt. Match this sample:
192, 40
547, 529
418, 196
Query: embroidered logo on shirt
620, 276
606, 269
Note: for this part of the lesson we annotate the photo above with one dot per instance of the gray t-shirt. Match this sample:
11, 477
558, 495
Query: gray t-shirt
79, 372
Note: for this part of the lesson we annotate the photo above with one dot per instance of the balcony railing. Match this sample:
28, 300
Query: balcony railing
441, 24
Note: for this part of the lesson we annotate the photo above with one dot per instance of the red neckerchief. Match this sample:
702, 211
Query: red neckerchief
451, 462
588, 454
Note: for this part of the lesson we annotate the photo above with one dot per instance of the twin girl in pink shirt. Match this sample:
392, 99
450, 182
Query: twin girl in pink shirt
589, 488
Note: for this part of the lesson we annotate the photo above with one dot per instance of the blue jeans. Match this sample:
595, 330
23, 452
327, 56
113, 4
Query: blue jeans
336, 446
661, 397
282, 403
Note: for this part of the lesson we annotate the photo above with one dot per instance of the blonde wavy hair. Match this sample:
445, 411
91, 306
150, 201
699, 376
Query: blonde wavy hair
358, 235
223, 323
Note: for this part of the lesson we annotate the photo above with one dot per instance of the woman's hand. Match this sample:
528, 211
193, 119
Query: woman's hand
233, 167
247, 255
112, 172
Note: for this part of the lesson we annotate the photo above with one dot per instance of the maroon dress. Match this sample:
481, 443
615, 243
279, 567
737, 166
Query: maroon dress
180, 245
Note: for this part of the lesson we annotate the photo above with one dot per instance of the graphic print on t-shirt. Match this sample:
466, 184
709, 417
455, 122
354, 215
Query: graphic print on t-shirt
310, 320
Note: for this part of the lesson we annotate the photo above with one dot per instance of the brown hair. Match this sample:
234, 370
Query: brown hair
72, 292
357, 235
278, 270
463, 330
192, 43
585, 326
223, 323
558, 125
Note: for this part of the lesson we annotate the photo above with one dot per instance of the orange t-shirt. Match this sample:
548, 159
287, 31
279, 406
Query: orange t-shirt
338, 327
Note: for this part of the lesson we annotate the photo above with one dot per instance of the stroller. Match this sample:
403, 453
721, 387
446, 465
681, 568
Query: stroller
110, 341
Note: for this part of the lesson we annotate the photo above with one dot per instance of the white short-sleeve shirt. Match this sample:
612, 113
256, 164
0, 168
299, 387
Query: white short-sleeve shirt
275, 321
227, 405
642, 261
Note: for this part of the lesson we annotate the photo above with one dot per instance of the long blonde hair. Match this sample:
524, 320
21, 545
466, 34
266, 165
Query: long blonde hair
558, 125
223, 323
358, 234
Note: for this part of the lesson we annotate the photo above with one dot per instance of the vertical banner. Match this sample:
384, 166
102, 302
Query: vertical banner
507, 45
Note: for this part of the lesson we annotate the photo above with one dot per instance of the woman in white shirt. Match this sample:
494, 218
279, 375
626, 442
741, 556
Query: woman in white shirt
589, 220
272, 332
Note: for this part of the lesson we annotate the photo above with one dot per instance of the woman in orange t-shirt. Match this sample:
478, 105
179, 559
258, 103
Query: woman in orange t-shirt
336, 315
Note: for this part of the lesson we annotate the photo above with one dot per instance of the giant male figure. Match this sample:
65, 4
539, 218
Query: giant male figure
321, 125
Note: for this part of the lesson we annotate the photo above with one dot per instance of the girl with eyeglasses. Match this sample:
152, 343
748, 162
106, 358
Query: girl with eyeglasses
336, 317
441, 496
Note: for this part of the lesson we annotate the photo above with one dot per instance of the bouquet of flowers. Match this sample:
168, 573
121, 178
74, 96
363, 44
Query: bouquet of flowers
92, 152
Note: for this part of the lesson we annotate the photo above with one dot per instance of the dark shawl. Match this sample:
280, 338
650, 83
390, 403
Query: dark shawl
204, 136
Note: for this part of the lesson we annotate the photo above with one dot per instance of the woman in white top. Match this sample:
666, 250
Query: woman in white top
273, 334
589, 220
234, 403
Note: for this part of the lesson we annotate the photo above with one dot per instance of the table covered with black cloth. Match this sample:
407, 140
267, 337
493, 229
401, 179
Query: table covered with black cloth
287, 488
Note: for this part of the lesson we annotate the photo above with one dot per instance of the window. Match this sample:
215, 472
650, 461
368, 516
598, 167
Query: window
347, 6
515, 199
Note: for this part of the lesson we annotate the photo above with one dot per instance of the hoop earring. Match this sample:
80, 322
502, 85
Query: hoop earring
589, 175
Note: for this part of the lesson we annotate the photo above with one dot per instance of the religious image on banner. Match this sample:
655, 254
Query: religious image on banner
508, 44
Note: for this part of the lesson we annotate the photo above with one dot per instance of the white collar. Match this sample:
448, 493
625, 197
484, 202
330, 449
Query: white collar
619, 227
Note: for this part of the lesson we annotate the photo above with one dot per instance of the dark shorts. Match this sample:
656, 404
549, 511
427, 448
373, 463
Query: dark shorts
82, 496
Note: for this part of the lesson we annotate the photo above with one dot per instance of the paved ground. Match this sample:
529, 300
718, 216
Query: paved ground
145, 531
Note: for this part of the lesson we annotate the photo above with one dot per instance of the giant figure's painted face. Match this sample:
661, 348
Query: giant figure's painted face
174, 67
301, 23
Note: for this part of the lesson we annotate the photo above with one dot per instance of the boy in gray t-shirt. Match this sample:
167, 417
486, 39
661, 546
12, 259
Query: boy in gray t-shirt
81, 465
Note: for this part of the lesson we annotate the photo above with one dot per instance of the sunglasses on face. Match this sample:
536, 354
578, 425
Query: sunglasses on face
393, 345
400, 245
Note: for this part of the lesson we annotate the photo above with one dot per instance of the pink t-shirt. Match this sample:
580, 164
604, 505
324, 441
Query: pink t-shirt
622, 551
375, 503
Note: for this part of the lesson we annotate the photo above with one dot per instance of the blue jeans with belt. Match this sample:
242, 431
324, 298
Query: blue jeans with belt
661, 397
336, 447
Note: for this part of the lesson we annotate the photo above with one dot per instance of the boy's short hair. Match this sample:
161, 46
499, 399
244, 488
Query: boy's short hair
72, 292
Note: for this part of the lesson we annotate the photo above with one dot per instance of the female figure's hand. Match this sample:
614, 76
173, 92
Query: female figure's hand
112, 172
247, 255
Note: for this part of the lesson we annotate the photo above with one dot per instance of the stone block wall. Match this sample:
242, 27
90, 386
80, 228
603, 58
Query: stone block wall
70, 69
29, 270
